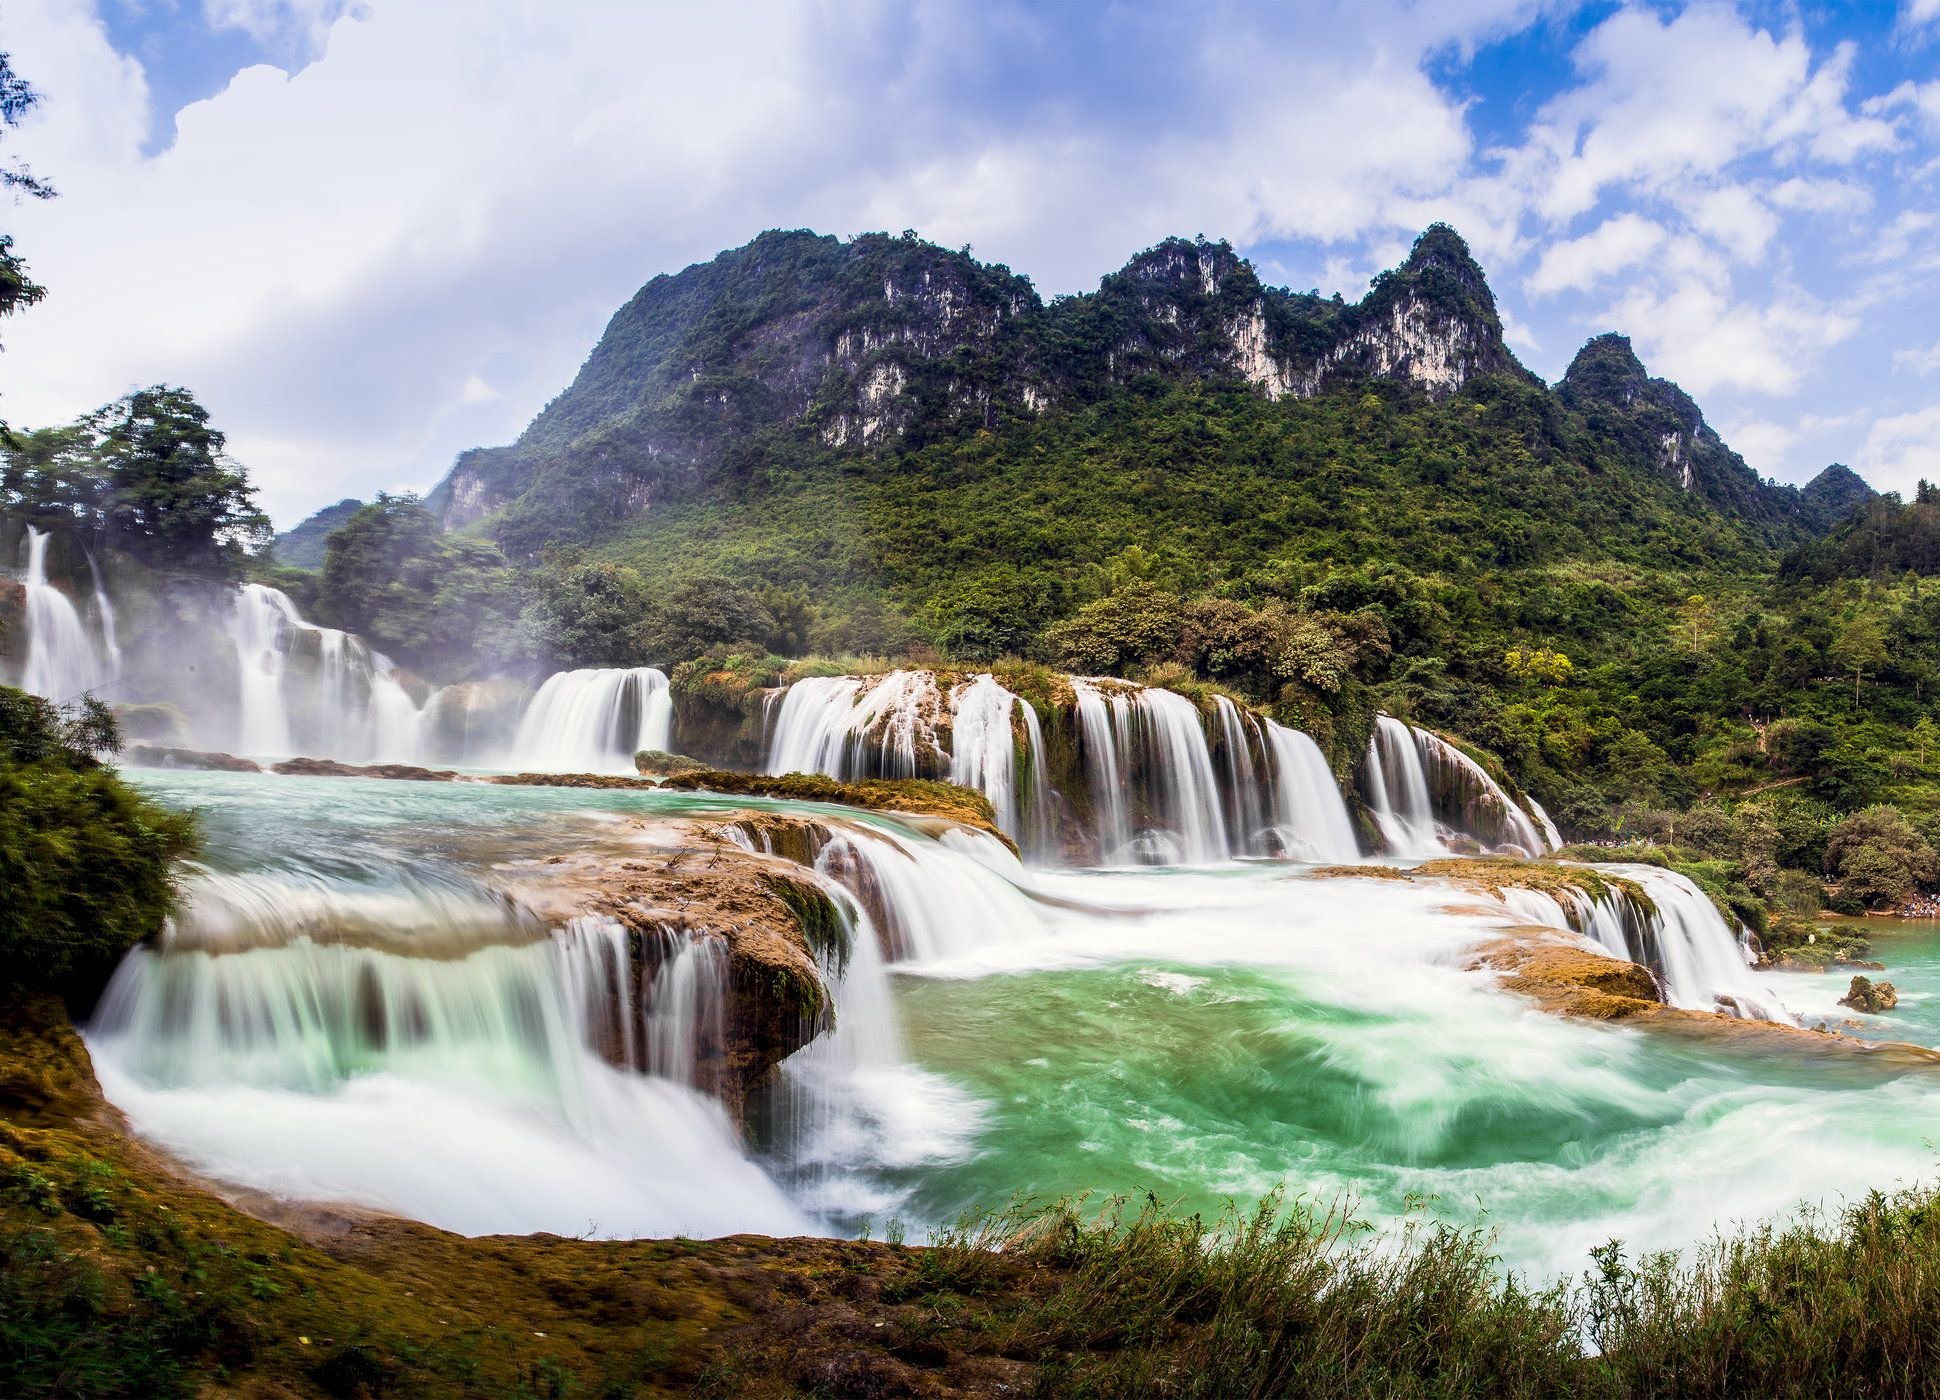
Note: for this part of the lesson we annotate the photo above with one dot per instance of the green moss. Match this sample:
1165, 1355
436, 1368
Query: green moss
917, 796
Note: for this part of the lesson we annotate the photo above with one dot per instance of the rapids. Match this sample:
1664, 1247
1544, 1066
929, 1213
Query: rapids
345, 1013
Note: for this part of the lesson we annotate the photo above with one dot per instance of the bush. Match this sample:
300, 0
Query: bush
86, 861
1877, 857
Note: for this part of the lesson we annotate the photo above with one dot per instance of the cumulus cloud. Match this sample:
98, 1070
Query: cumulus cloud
1919, 359
1579, 264
1696, 335
1903, 450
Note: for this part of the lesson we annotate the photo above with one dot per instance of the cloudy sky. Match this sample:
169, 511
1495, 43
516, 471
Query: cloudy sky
370, 233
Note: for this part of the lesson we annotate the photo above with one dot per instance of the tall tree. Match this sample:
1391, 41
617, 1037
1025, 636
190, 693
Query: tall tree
17, 289
177, 500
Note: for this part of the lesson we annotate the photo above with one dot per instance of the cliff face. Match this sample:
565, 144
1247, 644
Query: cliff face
881, 341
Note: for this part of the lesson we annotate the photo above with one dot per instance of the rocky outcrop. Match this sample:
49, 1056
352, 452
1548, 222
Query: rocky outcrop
162, 756
1870, 997
1654, 420
330, 768
914, 797
670, 882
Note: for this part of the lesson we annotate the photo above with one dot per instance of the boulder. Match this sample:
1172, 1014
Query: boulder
1870, 996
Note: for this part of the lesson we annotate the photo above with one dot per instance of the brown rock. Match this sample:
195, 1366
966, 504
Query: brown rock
1870, 996
161, 756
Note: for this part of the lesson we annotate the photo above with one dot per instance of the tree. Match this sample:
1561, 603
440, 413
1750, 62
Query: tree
174, 499
705, 612
1859, 647
1877, 857
17, 289
391, 575
87, 862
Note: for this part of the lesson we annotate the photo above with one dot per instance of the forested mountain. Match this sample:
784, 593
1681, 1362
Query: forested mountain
800, 353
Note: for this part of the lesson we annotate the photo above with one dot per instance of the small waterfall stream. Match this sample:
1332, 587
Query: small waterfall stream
62, 662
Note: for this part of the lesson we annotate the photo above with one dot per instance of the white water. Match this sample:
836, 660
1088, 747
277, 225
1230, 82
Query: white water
850, 728
983, 754
1407, 768
594, 721
1701, 961
461, 1090
1310, 815
61, 662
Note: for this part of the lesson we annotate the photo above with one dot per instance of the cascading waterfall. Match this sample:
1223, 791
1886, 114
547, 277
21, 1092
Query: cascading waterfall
315, 690
1184, 792
61, 662
594, 721
1701, 963
1147, 745
1418, 785
851, 728
1248, 799
983, 755
346, 1070
1551, 835
1481, 807
259, 625
1397, 791
104, 617
1310, 815
1104, 725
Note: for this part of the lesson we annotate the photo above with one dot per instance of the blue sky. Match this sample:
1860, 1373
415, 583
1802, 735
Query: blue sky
370, 235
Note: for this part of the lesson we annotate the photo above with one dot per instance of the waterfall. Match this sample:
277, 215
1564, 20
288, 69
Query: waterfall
314, 690
104, 617
1248, 799
983, 755
685, 1009
1104, 725
1481, 807
931, 901
1701, 962
259, 625
1412, 777
1550, 833
594, 721
1396, 786
852, 728
61, 662
453, 1088
1310, 815
1184, 793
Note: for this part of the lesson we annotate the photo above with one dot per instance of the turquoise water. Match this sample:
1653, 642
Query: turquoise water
1202, 1036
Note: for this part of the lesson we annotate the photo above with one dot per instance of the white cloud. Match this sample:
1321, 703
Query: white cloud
1920, 359
1820, 196
409, 246
1666, 103
1694, 334
1903, 450
1766, 447
1578, 264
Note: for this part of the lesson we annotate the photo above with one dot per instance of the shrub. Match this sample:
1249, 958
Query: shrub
1877, 857
85, 860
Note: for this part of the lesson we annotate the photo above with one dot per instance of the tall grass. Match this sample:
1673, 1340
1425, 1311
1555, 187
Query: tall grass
1294, 1300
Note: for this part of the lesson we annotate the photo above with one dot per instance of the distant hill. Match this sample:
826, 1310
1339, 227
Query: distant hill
302, 547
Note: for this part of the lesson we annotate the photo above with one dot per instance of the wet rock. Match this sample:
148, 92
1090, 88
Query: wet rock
330, 768
1870, 996
162, 756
